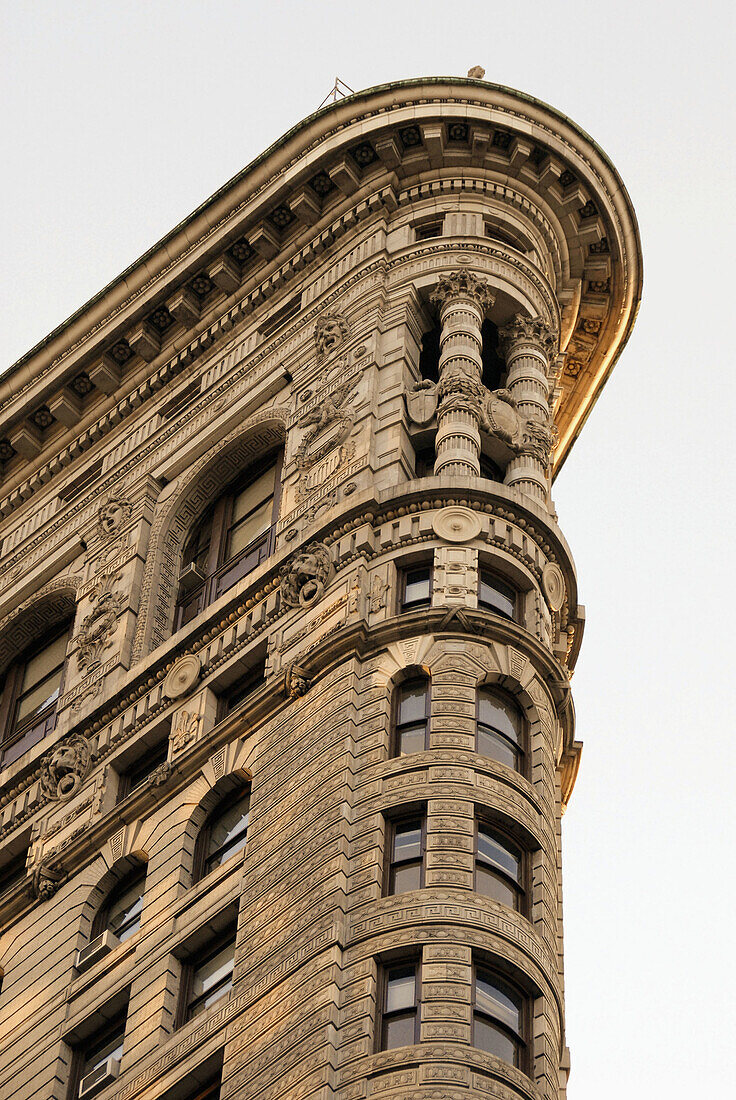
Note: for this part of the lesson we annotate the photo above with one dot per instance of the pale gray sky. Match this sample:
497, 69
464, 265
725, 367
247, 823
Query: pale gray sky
119, 118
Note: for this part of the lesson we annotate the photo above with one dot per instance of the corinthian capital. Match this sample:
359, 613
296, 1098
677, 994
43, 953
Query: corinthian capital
463, 284
528, 330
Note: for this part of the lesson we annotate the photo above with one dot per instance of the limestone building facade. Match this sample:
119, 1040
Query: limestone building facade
287, 623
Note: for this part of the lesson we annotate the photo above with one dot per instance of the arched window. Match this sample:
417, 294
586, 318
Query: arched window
224, 833
122, 910
232, 538
500, 729
30, 695
499, 1017
411, 716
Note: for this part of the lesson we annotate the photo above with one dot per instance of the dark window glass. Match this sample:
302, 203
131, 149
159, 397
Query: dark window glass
406, 862
498, 868
427, 231
137, 774
245, 687
424, 462
227, 831
417, 588
496, 595
489, 469
499, 729
13, 871
212, 977
498, 1017
30, 695
231, 540
122, 911
411, 732
400, 1022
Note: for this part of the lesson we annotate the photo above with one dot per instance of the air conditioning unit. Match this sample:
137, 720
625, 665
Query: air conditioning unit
191, 576
96, 949
95, 1081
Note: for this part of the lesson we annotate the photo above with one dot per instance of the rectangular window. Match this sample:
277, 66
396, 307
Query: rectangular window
97, 1059
401, 999
241, 689
496, 595
416, 588
407, 838
137, 774
428, 230
411, 718
211, 977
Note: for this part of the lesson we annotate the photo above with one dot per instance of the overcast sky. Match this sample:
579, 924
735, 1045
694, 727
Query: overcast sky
119, 118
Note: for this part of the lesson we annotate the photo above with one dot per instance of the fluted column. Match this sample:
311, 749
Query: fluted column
528, 343
464, 300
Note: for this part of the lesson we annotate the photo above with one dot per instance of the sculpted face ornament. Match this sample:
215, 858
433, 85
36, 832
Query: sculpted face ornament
112, 514
65, 767
304, 578
46, 880
331, 330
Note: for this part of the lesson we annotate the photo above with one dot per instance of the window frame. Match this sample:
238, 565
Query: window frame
201, 847
510, 989
520, 747
417, 605
498, 579
190, 967
413, 962
395, 752
520, 887
34, 729
392, 823
219, 515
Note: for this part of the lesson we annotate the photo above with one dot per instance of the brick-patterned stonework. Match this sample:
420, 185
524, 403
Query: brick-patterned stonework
297, 324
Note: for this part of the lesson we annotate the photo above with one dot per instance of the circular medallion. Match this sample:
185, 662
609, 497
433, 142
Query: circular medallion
456, 524
553, 584
183, 677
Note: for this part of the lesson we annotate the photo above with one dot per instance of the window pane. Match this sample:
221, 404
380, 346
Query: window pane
213, 978
45, 661
416, 588
493, 851
228, 833
406, 876
495, 594
495, 1000
408, 840
497, 748
39, 697
254, 494
197, 548
124, 914
491, 885
398, 1031
412, 739
401, 989
249, 529
100, 1052
499, 713
491, 1039
412, 702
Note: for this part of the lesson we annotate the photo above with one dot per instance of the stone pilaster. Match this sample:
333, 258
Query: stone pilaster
528, 344
463, 300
